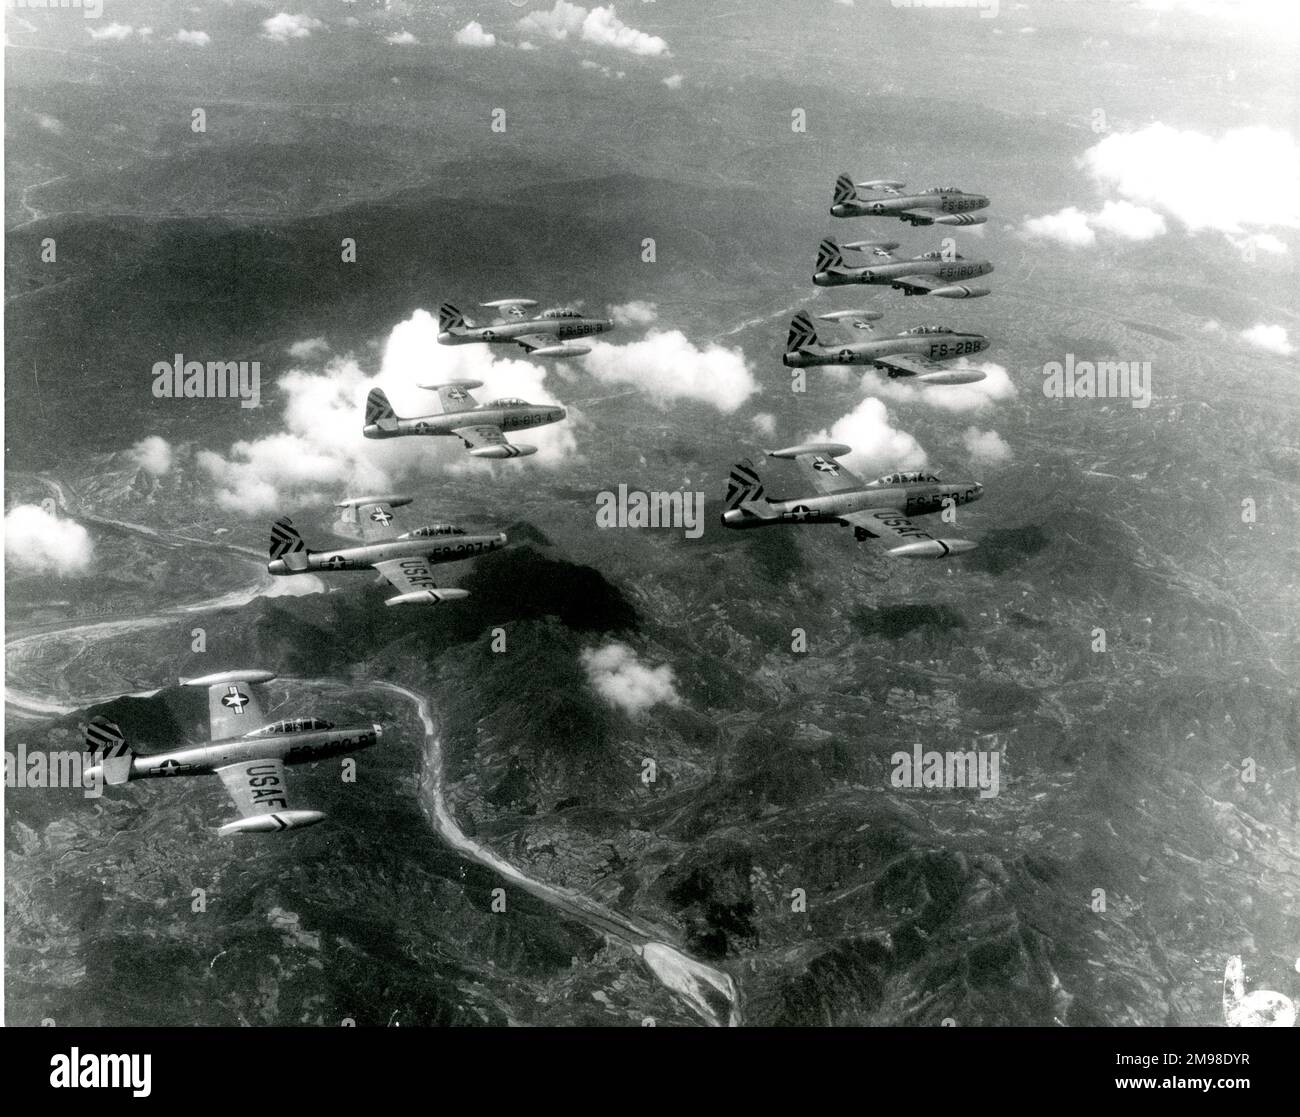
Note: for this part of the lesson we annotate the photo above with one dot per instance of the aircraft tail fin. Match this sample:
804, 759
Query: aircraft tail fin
108, 748
828, 256
845, 191
287, 544
744, 486
802, 335
450, 320
378, 409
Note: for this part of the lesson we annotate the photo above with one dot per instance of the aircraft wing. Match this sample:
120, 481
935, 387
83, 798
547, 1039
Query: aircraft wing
828, 475
375, 521
455, 397
892, 529
256, 786
909, 364
233, 710
920, 216
407, 574
481, 436
538, 341
921, 283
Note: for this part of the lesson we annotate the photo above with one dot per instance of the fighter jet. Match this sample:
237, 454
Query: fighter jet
245, 750
875, 510
403, 559
939, 205
932, 273
479, 426
912, 354
545, 335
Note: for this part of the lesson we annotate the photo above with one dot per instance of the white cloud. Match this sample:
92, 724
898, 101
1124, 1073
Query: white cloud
996, 385
666, 366
49, 123
1068, 226
404, 38
473, 35
765, 423
1248, 177
674, 81
282, 27
309, 347
114, 32
985, 447
1126, 220
877, 446
194, 38
638, 312
1271, 338
321, 450
600, 25
153, 454
621, 679
38, 542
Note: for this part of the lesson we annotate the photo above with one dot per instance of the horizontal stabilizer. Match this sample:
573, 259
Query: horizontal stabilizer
831, 449
932, 548
224, 678
272, 823
431, 596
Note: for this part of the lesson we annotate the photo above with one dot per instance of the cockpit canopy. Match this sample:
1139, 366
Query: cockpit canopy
941, 190
939, 254
561, 312
433, 529
906, 477
292, 725
509, 401
928, 330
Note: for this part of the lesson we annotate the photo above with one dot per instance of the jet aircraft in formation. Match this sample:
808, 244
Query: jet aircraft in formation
939, 205
913, 354
876, 510
480, 426
244, 749
932, 273
546, 335
404, 559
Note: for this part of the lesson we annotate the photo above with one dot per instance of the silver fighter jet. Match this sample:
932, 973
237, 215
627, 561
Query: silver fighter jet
939, 205
547, 334
244, 749
876, 510
405, 559
932, 273
480, 426
912, 354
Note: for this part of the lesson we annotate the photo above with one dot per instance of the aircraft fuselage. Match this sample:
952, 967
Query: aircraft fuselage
935, 347
447, 423
291, 748
895, 205
914, 499
564, 329
950, 271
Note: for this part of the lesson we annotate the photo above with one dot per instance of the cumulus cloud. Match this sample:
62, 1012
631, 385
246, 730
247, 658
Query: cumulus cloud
1273, 339
765, 423
1069, 226
309, 347
114, 32
1246, 178
49, 123
321, 450
600, 25
282, 27
621, 679
878, 447
667, 367
996, 385
674, 81
194, 38
636, 313
1126, 220
153, 455
473, 35
406, 39
985, 447
37, 541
